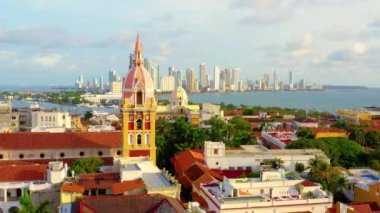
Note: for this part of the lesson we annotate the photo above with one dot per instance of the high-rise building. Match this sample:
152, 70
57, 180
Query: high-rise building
154, 72
178, 78
171, 71
79, 84
112, 76
190, 79
95, 84
275, 80
227, 79
291, 80
216, 78
302, 84
202, 76
147, 64
138, 110
235, 78
101, 83
167, 83
116, 87
131, 56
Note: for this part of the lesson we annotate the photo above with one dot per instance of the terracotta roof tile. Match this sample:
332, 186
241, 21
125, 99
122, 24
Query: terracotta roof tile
27, 140
69, 187
119, 188
27, 172
307, 183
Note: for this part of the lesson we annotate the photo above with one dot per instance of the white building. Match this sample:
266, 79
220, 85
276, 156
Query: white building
275, 81
167, 83
51, 119
36, 179
9, 120
235, 78
209, 111
273, 191
216, 78
202, 76
115, 87
217, 157
291, 83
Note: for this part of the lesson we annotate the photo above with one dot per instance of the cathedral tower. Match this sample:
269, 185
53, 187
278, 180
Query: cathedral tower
138, 110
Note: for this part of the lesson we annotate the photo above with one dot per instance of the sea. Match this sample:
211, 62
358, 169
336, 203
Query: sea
328, 100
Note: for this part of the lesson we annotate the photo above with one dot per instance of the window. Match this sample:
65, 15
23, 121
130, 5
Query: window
216, 151
147, 139
217, 163
81, 154
130, 139
21, 156
139, 98
139, 139
100, 153
62, 155
1, 156
49, 118
42, 155
139, 124
118, 152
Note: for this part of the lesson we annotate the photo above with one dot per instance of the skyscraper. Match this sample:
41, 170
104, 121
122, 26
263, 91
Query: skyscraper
227, 79
112, 76
101, 83
178, 78
216, 78
171, 71
291, 80
235, 78
190, 79
275, 80
202, 76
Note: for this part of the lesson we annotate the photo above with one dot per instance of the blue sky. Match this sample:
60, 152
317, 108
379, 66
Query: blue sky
51, 42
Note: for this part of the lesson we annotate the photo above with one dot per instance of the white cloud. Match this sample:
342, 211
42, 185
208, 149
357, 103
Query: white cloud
48, 60
303, 47
358, 48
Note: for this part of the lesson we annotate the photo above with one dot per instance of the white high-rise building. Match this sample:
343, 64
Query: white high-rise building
202, 76
167, 83
101, 83
171, 71
235, 77
155, 73
112, 76
291, 84
302, 84
216, 78
275, 80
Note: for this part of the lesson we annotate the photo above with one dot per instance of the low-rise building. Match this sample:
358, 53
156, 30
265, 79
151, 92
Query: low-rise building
41, 180
250, 157
306, 122
51, 119
274, 191
364, 115
363, 185
209, 111
278, 138
331, 132
9, 120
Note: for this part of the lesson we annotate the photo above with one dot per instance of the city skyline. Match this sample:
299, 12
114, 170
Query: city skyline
329, 42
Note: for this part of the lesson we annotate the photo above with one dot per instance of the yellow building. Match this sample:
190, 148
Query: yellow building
329, 133
365, 115
179, 107
138, 110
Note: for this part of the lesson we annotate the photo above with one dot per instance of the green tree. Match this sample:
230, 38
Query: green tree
28, 207
299, 167
357, 135
372, 139
86, 165
341, 124
304, 132
88, 115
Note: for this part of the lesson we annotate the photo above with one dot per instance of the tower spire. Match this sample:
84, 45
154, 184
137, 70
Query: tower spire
138, 60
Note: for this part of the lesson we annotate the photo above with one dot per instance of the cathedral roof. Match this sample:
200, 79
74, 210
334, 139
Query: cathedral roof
138, 78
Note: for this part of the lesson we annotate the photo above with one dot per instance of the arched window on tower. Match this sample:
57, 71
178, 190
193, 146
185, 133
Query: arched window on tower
139, 124
147, 139
130, 139
139, 97
139, 139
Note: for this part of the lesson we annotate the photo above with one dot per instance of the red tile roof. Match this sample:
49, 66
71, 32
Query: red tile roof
70, 187
66, 140
119, 188
27, 172
323, 129
69, 161
184, 160
230, 173
130, 203
307, 183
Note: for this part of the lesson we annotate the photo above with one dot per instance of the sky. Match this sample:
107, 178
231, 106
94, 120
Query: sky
52, 42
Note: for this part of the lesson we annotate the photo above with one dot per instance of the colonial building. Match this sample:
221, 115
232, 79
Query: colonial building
9, 120
138, 110
179, 107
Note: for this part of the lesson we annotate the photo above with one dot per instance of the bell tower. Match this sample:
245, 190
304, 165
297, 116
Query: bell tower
138, 110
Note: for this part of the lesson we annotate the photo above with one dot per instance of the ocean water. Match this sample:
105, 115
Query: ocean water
327, 100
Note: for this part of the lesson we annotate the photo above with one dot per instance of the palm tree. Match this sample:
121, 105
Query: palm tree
27, 205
